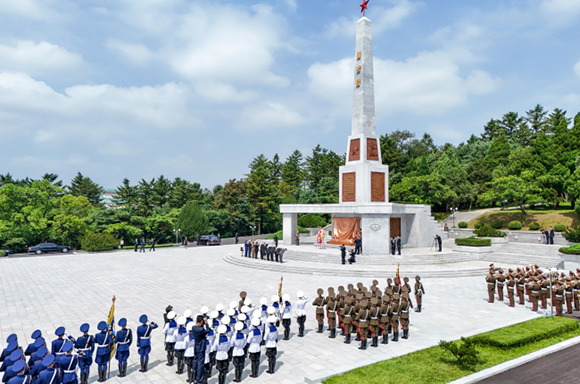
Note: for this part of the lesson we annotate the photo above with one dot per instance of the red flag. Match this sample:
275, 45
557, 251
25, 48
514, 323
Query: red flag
398, 277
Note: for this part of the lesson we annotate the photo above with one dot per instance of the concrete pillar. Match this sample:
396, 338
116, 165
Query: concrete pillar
289, 226
376, 230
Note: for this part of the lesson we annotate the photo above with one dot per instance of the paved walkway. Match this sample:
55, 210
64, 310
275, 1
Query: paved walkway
48, 291
466, 215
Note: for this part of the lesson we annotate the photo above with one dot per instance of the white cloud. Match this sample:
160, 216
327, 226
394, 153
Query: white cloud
445, 132
28, 8
428, 83
382, 19
220, 92
577, 69
560, 12
38, 59
462, 40
136, 53
291, 4
269, 115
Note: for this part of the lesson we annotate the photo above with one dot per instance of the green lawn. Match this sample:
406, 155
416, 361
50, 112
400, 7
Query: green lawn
545, 218
435, 365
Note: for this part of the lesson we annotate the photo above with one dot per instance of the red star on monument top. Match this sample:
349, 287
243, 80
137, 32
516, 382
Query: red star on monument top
364, 6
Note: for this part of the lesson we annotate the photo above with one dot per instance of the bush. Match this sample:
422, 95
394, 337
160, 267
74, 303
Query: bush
572, 250
16, 245
95, 242
279, 234
577, 207
473, 242
462, 224
534, 226
465, 352
311, 221
2, 253
487, 231
497, 224
514, 225
559, 227
572, 234
478, 224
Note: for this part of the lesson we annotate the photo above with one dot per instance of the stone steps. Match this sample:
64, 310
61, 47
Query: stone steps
530, 249
523, 260
356, 270
426, 259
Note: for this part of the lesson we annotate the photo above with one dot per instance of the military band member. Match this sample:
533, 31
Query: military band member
9, 363
170, 330
86, 345
544, 287
239, 342
271, 337
31, 347
559, 295
385, 318
12, 341
35, 357
419, 292
20, 375
520, 285
144, 341
535, 291
255, 341
375, 314
189, 353
58, 343
500, 280
103, 343
347, 316
510, 288
68, 363
331, 308
181, 335
490, 286
37, 367
300, 309
51, 375
286, 313
362, 321
394, 315
319, 304
222, 346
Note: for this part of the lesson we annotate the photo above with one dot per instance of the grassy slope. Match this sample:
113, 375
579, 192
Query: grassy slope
545, 218
434, 365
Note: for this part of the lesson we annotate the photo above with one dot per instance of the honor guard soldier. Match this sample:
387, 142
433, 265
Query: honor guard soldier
68, 363
255, 341
576, 287
37, 367
544, 289
239, 343
404, 311
396, 287
500, 280
331, 308
385, 319
510, 288
180, 338
86, 346
36, 356
394, 315
144, 341
189, 353
286, 315
300, 309
12, 342
103, 343
419, 292
31, 348
243, 296
51, 375
520, 286
319, 304
375, 314
406, 281
347, 316
170, 330
362, 321
20, 376
559, 295
271, 337
9, 362
124, 340
490, 286
58, 343
535, 290
568, 295
222, 346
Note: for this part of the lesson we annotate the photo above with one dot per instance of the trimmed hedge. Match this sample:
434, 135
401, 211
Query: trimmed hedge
497, 224
559, 227
571, 250
2, 253
95, 242
515, 225
462, 224
528, 332
479, 224
487, 231
473, 242
534, 226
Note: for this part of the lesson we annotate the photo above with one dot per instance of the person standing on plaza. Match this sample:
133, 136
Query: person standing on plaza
152, 247
286, 314
343, 254
297, 236
357, 246
236, 237
200, 332
276, 241
439, 242
552, 234
399, 245
123, 340
185, 242
223, 346
170, 330
121, 243
136, 244
271, 337
103, 342
255, 341
144, 341
142, 245
319, 304
239, 343
86, 345
300, 309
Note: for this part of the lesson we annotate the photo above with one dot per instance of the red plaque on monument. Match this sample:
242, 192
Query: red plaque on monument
377, 186
354, 153
372, 150
349, 186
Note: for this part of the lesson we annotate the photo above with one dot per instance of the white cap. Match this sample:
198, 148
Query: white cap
233, 304
226, 319
181, 320
187, 313
239, 326
247, 301
214, 314
263, 301
286, 297
222, 329
245, 309
219, 307
257, 314
275, 298
242, 317
300, 294
189, 326
271, 310
256, 322
204, 310
272, 319
231, 312
171, 315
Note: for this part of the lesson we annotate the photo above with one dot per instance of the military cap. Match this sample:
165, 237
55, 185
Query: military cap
331, 296
239, 326
42, 351
359, 285
396, 296
204, 310
122, 322
12, 346
418, 278
242, 317
256, 322
67, 346
405, 295
222, 329
386, 298
272, 319
16, 354
389, 291
374, 301
36, 334
245, 309
186, 313
330, 289
85, 327
264, 301
231, 312
243, 294
59, 331
389, 281
406, 279
189, 326
48, 360
364, 303
102, 325
143, 319
11, 338
320, 291
18, 366
350, 287
39, 342
226, 319
219, 307
375, 282
359, 296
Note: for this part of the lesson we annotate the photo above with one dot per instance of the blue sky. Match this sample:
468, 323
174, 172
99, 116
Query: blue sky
196, 89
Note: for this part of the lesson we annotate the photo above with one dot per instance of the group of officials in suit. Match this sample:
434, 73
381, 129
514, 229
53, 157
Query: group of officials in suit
59, 364
539, 285
263, 251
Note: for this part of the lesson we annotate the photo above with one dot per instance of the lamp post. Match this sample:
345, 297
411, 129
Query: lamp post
453, 210
253, 228
176, 231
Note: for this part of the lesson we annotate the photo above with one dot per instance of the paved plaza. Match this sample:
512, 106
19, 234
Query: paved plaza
48, 291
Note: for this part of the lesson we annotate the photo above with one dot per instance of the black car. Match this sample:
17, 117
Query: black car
48, 247
210, 240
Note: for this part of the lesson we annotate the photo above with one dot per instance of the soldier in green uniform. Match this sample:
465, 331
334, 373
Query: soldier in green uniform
385, 318
576, 288
331, 308
389, 284
419, 292
511, 283
394, 315
544, 289
491, 286
568, 294
500, 280
406, 284
319, 304
357, 308
375, 314
559, 296
362, 320
520, 284
404, 311
347, 315
535, 290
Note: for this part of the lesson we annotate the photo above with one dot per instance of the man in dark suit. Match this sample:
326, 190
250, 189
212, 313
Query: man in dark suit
357, 246
552, 234
343, 254
399, 244
438, 238
393, 245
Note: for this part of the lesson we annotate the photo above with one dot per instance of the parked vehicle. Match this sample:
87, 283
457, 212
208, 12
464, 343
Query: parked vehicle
48, 247
210, 240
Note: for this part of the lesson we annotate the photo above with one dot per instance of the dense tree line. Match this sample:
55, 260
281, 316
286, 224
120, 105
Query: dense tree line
529, 159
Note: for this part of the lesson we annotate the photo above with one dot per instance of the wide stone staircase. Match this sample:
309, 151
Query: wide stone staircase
544, 256
413, 259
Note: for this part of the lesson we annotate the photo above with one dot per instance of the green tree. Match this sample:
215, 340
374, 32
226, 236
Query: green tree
192, 220
261, 193
125, 195
322, 163
498, 152
536, 119
183, 192
293, 172
84, 186
520, 191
